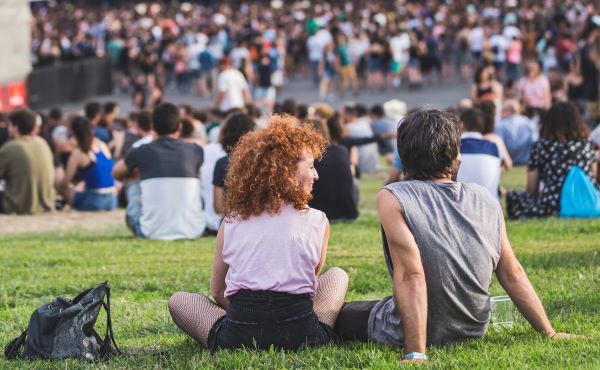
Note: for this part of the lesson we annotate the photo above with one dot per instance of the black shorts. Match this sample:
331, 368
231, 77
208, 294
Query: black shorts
261, 319
353, 321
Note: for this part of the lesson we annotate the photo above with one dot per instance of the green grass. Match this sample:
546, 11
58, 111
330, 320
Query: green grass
560, 256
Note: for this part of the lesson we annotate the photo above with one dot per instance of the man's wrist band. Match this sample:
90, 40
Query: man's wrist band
415, 356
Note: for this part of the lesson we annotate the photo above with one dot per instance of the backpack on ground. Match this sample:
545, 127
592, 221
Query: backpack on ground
579, 197
65, 328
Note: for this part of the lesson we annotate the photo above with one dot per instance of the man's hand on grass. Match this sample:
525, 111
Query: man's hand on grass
563, 336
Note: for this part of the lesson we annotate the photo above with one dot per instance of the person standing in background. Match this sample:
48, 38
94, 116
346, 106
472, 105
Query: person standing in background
232, 88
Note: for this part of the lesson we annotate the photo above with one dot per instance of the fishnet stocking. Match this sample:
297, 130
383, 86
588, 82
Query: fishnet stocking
330, 295
195, 314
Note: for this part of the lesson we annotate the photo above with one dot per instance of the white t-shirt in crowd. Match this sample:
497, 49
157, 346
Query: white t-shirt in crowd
212, 153
237, 55
316, 43
477, 37
314, 49
511, 32
400, 44
480, 162
232, 83
499, 45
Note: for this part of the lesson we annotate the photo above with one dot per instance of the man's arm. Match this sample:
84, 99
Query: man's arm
72, 166
548, 97
410, 289
513, 279
319, 267
220, 97
247, 96
218, 199
120, 170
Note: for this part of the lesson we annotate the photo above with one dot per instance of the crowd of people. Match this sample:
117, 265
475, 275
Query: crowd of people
97, 159
267, 177
342, 46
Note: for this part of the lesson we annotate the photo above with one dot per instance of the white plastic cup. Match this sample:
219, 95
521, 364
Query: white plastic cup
503, 312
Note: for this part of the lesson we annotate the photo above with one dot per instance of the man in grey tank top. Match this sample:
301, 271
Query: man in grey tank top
442, 241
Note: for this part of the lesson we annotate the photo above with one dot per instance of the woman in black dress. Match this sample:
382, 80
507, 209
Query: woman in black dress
335, 192
563, 143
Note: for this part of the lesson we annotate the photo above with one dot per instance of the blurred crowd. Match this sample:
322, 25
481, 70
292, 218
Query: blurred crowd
343, 46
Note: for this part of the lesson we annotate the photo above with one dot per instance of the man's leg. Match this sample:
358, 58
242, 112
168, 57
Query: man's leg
314, 70
330, 295
195, 314
353, 321
133, 211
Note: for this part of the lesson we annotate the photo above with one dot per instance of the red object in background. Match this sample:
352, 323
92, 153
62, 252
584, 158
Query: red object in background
12, 96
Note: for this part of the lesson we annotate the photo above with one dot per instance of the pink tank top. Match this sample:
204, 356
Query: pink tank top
274, 252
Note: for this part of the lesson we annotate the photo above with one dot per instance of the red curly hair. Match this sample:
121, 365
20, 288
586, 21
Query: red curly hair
263, 166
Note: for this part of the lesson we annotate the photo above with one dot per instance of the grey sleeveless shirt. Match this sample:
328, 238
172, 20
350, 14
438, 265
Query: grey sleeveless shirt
457, 228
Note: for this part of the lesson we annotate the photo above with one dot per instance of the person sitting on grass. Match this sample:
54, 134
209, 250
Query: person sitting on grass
334, 193
564, 143
269, 251
90, 162
167, 204
442, 242
26, 166
235, 126
481, 159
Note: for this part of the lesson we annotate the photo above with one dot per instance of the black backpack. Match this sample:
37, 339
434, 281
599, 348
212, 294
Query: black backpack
65, 328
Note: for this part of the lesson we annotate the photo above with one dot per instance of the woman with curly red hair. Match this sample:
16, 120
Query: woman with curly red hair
269, 251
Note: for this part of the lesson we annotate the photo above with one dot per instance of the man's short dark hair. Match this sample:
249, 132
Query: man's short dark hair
187, 109
92, 109
350, 110
56, 114
144, 120
377, 110
428, 144
187, 129
302, 111
109, 107
289, 106
361, 110
24, 119
166, 119
473, 120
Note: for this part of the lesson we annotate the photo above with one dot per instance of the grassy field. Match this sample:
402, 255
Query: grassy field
560, 256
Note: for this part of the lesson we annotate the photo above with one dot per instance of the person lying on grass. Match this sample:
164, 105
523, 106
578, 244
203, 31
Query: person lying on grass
269, 251
442, 241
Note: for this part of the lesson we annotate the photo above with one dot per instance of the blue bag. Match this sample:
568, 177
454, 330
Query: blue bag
579, 197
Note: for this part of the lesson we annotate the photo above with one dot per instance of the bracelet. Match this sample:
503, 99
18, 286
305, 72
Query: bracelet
416, 356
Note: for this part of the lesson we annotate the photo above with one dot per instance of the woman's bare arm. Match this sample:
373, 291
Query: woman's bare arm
219, 271
323, 251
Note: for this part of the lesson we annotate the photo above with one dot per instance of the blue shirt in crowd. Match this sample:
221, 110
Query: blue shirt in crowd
519, 133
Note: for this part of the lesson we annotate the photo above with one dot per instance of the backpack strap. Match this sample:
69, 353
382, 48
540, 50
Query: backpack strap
13, 349
109, 338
